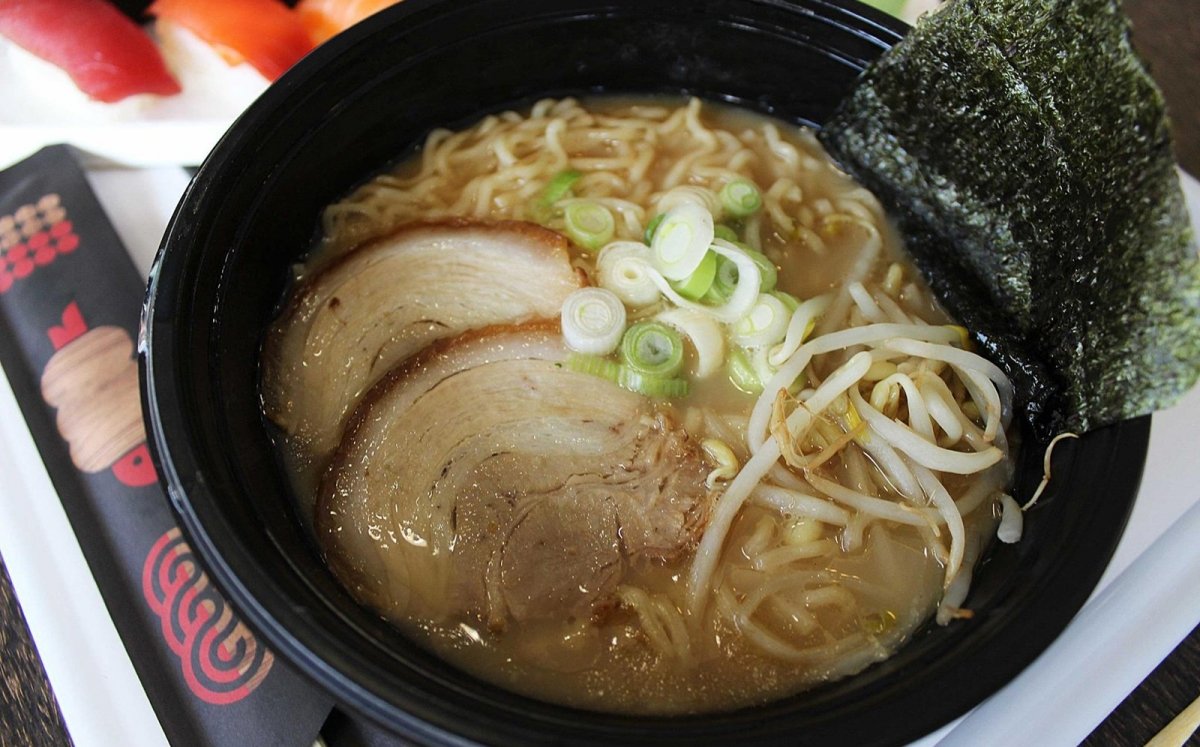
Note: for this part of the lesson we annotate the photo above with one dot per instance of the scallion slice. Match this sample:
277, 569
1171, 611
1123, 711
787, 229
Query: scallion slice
559, 186
651, 386
594, 365
715, 296
689, 193
624, 268
791, 302
652, 227
727, 273
725, 232
593, 321
741, 197
697, 284
726, 279
653, 349
742, 373
589, 224
706, 335
770, 273
761, 365
682, 240
740, 300
766, 324
543, 210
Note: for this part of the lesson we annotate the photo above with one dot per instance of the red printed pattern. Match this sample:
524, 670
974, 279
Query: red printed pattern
222, 660
71, 329
32, 237
134, 468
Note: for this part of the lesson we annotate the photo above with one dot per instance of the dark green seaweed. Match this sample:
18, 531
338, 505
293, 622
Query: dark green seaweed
1025, 152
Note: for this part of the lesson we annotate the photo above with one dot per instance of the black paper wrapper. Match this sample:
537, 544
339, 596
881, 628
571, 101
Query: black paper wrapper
70, 298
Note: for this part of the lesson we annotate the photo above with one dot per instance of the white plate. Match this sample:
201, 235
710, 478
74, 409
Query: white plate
43, 107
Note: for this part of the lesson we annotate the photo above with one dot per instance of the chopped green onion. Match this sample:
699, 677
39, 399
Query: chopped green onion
742, 373
741, 198
765, 324
689, 193
715, 295
727, 273
653, 349
762, 366
589, 224
594, 365
624, 268
760, 361
791, 302
651, 386
706, 335
749, 283
740, 301
652, 226
559, 186
770, 273
697, 284
593, 321
727, 233
725, 280
682, 240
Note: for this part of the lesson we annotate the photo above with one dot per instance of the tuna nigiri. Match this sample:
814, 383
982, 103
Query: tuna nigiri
264, 33
107, 56
324, 18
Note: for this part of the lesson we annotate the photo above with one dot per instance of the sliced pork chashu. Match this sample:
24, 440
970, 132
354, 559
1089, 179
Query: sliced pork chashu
388, 299
485, 478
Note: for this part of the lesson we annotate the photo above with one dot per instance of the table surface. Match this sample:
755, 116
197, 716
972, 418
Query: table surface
1167, 32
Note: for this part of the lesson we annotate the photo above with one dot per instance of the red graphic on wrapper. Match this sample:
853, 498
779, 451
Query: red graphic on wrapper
222, 660
72, 327
135, 468
33, 236
91, 380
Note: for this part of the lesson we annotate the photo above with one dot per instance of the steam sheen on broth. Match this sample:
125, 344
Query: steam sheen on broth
823, 487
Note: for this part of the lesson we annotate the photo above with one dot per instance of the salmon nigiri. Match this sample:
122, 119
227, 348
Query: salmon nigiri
264, 33
324, 18
108, 57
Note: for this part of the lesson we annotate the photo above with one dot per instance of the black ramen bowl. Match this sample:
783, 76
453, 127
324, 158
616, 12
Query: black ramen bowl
363, 101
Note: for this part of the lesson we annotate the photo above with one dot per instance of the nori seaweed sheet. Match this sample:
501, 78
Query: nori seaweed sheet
1025, 152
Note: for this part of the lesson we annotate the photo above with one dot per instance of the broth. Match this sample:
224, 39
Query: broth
790, 597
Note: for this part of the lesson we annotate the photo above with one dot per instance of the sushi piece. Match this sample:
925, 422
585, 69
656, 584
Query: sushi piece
107, 56
211, 83
325, 18
263, 33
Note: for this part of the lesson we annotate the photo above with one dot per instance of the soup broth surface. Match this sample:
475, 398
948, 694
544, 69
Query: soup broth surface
792, 600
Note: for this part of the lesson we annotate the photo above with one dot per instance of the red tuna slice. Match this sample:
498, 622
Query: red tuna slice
107, 55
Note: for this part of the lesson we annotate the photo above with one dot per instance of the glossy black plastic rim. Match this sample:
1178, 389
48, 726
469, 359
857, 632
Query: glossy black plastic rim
1039, 590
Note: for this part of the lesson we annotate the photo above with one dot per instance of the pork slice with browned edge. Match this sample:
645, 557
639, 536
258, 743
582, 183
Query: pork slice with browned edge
485, 478
386, 300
